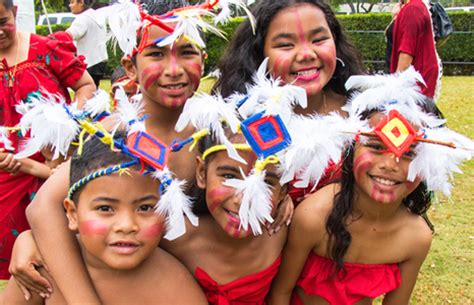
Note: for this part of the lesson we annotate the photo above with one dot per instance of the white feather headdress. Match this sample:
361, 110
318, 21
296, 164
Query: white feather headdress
209, 112
4, 132
439, 151
49, 124
268, 95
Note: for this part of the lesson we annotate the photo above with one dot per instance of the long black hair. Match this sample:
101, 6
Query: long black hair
245, 52
417, 202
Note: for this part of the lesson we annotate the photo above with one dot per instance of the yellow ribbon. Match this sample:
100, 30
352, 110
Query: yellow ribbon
261, 164
197, 136
220, 147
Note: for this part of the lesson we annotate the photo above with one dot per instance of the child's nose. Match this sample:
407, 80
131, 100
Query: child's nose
125, 223
389, 161
174, 68
306, 53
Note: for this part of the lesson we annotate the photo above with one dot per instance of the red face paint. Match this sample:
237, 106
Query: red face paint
151, 74
153, 230
93, 227
361, 164
217, 196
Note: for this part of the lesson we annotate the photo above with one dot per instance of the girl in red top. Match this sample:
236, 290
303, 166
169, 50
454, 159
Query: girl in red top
367, 235
306, 47
29, 65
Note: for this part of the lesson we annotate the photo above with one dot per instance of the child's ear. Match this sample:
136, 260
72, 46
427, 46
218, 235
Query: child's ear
130, 68
203, 66
200, 173
71, 213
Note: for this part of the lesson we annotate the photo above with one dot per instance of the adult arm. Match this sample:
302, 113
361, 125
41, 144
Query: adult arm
404, 61
58, 246
84, 88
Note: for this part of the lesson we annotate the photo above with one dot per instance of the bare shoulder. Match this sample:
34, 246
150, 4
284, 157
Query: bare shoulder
417, 234
177, 283
311, 214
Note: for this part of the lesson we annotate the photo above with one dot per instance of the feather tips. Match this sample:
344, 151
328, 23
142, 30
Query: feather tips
256, 204
174, 204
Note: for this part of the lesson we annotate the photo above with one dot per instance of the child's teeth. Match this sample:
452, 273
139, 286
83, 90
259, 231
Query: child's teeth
384, 181
307, 72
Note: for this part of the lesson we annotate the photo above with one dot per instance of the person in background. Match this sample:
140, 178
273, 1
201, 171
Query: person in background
414, 45
30, 66
89, 32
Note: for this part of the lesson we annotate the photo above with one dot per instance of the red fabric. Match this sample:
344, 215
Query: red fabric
413, 34
332, 173
361, 281
51, 67
251, 289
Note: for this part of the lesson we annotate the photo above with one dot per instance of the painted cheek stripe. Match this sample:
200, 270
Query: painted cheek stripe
93, 227
153, 230
361, 164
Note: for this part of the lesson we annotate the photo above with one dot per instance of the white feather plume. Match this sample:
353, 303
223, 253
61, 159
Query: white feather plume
124, 20
98, 104
50, 126
435, 164
174, 204
206, 111
379, 90
226, 13
256, 205
266, 94
128, 112
190, 23
23, 107
4, 138
316, 140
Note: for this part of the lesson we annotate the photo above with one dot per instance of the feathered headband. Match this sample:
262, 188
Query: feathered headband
264, 116
66, 123
439, 150
127, 19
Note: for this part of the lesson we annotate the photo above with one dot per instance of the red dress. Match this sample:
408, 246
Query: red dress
361, 281
249, 290
51, 67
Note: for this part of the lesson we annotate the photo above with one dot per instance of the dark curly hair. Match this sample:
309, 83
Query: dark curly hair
245, 52
417, 202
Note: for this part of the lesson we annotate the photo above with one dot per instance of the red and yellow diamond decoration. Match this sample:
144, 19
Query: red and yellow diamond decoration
396, 132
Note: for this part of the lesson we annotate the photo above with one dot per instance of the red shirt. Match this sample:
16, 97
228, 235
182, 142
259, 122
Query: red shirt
413, 34
51, 66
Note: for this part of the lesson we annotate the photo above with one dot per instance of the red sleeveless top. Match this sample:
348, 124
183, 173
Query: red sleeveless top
250, 289
360, 281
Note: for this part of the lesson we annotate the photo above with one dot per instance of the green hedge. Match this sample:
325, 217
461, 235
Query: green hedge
458, 48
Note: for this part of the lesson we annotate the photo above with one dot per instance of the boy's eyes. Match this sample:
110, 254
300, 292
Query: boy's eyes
104, 208
229, 175
146, 207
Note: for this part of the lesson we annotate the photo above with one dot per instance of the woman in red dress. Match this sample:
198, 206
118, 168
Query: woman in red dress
29, 65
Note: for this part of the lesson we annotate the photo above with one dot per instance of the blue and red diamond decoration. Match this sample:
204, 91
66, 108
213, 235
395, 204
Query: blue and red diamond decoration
267, 134
149, 149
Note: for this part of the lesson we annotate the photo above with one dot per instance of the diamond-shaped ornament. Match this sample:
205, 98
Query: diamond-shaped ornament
267, 134
396, 133
151, 150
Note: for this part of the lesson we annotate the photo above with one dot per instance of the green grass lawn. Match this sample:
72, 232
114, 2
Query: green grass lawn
447, 274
